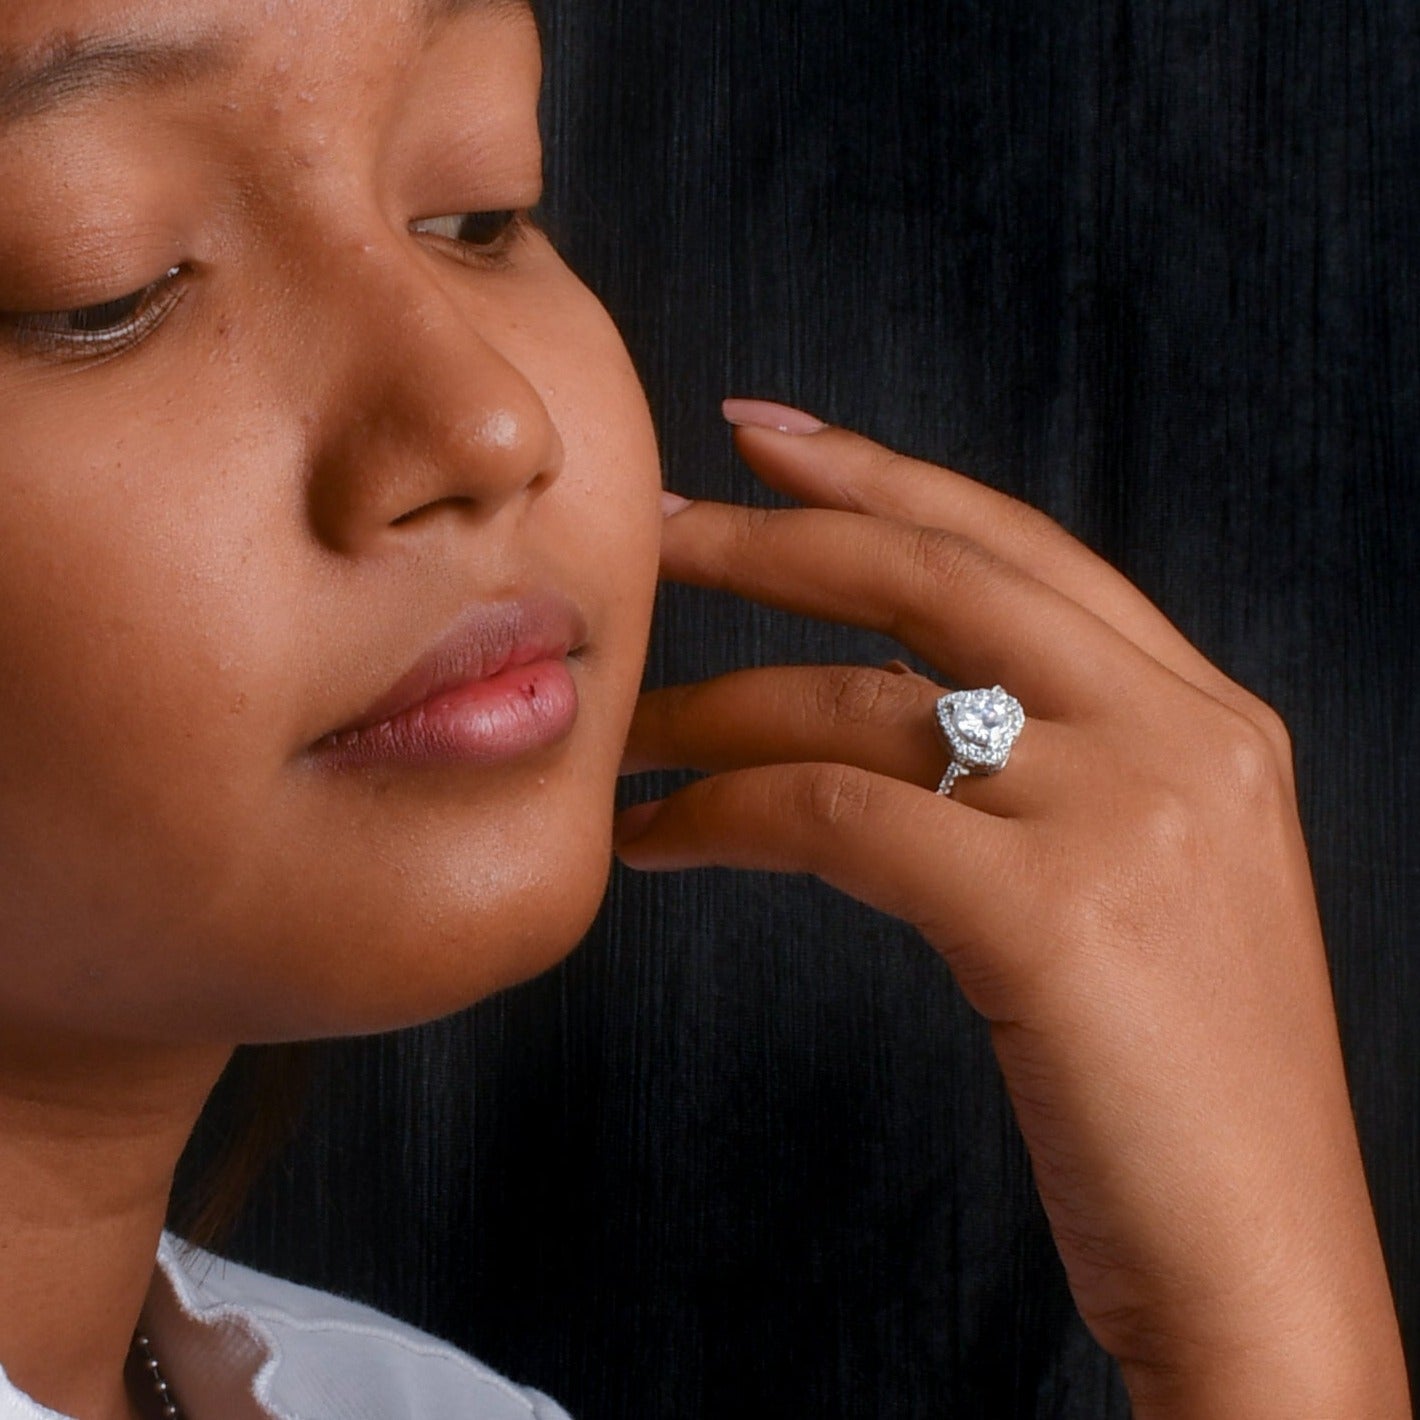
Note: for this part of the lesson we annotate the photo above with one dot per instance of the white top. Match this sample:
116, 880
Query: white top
243, 1345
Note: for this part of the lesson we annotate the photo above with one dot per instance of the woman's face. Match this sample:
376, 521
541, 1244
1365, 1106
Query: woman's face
239, 508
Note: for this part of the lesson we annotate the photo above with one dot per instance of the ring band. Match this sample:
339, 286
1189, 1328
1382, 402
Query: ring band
978, 729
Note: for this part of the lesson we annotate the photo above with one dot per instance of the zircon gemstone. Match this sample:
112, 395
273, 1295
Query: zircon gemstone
979, 723
979, 727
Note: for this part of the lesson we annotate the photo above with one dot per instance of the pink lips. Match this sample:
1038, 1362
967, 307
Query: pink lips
495, 686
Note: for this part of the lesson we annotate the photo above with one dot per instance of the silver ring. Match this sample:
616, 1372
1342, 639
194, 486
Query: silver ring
977, 728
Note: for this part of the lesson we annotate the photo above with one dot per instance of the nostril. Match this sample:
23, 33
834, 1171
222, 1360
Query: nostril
430, 440
424, 508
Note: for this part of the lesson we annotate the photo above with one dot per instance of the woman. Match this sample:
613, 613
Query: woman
335, 524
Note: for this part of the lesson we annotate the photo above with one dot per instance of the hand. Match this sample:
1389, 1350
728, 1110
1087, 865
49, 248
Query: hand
1128, 904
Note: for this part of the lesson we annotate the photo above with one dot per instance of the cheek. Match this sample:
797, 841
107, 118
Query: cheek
132, 607
433, 895
602, 519
167, 625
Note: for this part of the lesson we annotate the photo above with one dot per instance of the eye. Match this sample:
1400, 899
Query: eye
487, 237
102, 329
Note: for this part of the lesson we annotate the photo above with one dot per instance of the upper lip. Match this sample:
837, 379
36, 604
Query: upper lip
486, 639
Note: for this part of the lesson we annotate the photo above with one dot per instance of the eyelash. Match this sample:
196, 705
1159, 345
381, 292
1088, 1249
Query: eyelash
496, 251
42, 332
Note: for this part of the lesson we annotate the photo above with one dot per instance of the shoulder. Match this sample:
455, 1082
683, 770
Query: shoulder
326, 1354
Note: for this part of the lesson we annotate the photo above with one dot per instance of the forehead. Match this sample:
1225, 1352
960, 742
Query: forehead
34, 24
64, 50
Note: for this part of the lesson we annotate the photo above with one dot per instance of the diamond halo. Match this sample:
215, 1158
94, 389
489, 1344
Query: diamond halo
978, 728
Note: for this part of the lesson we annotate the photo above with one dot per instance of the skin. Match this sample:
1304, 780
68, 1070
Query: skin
226, 540
1128, 904
229, 539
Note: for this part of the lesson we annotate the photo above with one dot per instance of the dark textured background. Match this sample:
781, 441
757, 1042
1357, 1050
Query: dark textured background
1150, 265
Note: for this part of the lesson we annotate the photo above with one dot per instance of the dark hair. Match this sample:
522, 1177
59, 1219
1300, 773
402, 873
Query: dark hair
249, 1119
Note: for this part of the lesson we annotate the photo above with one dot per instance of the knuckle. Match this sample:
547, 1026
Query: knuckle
1238, 756
835, 795
1030, 527
1274, 728
747, 529
1257, 715
1145, 872
1165, 824
940, 557
1175, 829
855, 695
1249, 758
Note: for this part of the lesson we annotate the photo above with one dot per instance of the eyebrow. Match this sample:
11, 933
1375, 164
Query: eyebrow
68, 68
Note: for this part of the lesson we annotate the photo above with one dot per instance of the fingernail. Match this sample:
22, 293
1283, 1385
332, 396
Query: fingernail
672, 503
761, 414
897, 667
633, 822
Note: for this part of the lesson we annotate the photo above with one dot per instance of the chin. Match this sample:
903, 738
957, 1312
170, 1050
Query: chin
374, 908
382, 965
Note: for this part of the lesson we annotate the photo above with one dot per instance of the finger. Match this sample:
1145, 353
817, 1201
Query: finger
909, 853
836, 468
854, 715
974, 617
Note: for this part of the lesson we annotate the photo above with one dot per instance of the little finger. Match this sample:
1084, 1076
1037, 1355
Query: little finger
928, 860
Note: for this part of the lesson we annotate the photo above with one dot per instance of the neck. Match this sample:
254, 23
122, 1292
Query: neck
90, 1136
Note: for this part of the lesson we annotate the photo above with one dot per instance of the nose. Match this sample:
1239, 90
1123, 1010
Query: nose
425, 417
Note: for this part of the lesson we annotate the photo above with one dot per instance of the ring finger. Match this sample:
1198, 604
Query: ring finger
858, 715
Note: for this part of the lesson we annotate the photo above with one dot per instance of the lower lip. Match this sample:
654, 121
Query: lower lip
488, 721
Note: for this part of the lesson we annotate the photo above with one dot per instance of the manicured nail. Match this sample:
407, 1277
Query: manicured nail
672, 503
897, 667
633, 822
761, 414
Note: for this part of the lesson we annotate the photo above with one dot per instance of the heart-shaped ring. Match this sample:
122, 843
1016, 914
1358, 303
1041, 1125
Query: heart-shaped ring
978, 729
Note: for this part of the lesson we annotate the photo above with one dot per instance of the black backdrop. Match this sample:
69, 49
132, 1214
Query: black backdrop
1149, 264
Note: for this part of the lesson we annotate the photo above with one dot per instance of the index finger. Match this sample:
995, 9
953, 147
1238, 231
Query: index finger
975, 617
837, 468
